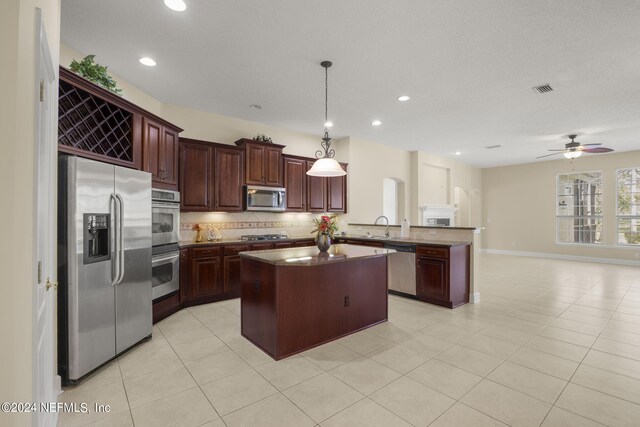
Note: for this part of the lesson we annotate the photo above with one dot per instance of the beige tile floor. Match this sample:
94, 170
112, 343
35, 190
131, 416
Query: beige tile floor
552, 343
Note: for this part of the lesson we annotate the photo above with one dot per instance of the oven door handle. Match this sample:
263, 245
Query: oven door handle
159, 259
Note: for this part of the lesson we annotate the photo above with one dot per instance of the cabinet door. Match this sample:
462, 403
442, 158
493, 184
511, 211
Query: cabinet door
260, 246
272, 166
316, 191
231, 270
151, 148
196, 176
431, 279
282, 245
255, 161
294, 181
185, 284
337, 194
206, 277
303, 243
169, 159
228, 182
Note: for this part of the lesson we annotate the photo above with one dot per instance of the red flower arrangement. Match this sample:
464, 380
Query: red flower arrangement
326, 224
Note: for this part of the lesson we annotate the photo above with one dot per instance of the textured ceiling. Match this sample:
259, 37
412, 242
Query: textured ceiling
468, 66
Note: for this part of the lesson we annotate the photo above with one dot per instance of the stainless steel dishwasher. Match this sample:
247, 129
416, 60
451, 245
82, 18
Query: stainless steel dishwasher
401, 271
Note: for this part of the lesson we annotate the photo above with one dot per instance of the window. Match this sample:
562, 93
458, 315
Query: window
628, 202
579, 207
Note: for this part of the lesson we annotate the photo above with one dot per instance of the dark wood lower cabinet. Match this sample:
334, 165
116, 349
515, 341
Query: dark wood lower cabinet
205, 277
231, 267
442, 274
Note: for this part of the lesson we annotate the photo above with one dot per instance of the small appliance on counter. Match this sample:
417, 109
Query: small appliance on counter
104, 263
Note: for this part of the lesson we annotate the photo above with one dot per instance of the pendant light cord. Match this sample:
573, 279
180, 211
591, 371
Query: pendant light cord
326, 94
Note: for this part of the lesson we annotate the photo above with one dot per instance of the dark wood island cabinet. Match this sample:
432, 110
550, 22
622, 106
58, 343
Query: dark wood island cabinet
294, 299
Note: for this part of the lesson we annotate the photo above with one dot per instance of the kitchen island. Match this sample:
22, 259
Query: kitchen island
298, 298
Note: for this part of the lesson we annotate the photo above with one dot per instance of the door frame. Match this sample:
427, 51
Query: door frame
45, 227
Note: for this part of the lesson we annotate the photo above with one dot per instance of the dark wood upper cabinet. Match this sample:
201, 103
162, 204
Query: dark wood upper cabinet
263, 162
229, 172
160, 153
196, 175
337, 192
316, 191
311, 193
295, 180
97, 124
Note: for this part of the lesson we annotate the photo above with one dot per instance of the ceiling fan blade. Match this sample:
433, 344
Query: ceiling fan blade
547, 155
560, 149
598, 150
591, 144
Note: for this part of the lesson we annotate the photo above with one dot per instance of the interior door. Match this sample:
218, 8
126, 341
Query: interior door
46, 382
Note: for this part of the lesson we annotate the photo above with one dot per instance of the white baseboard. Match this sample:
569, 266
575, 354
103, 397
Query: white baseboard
474, 297
562, 256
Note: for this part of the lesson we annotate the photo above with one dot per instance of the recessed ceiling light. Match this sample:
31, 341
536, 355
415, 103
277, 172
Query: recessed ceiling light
177, 5
147, 61
404, 98
328, 124
457, 153
255, 107
376, 123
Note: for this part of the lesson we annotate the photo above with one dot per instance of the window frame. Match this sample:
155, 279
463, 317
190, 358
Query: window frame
623, 216
560, 218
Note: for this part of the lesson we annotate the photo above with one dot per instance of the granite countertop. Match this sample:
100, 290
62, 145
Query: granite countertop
382, 239
220, 242
446, 227
308, 256
445, 243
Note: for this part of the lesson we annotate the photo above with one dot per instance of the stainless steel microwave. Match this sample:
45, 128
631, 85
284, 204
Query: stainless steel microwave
270, 199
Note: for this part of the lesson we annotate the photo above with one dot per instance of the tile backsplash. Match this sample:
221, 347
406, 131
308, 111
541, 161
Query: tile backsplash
234, 225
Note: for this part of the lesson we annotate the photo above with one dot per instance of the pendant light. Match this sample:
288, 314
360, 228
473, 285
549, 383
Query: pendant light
326, 165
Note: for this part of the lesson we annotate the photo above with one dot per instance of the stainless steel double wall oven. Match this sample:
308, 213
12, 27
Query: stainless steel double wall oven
165, 226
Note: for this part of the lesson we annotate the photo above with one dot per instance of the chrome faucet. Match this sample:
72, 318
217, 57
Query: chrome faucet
386, 231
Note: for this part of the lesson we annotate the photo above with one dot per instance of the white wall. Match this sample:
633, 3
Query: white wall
17, 252
519, 206
458, 175
369, 164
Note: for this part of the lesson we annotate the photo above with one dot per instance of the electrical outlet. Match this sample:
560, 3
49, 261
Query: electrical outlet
346, 301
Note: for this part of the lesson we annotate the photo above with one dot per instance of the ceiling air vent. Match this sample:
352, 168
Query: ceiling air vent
491, 147
543, 88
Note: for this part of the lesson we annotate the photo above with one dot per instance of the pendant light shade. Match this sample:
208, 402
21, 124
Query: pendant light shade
326, 165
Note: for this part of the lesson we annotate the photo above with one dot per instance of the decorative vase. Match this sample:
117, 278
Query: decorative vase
198, 236
324, 242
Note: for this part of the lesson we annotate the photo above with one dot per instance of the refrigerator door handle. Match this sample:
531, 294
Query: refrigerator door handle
115, 261
121, 236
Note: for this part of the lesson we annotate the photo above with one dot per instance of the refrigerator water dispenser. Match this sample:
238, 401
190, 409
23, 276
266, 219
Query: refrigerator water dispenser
96, 238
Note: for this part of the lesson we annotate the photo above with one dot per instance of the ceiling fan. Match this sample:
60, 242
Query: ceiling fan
574, 149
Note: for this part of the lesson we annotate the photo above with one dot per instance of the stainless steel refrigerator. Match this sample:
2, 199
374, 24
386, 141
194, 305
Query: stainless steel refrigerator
104, 263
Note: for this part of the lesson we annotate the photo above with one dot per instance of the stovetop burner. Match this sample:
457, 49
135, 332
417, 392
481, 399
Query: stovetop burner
262, 237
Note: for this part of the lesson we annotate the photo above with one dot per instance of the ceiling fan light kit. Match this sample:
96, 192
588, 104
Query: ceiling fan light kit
574, 149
